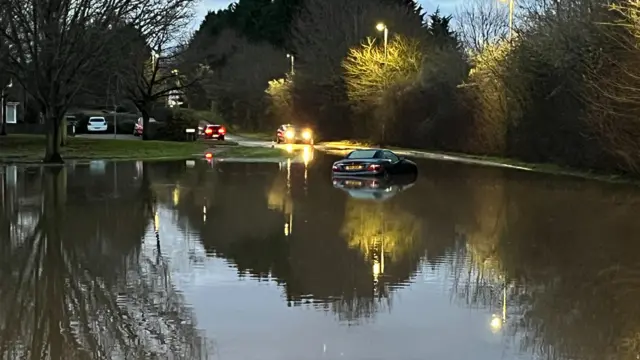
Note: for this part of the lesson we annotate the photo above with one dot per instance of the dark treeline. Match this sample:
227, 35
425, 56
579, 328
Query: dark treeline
561, 89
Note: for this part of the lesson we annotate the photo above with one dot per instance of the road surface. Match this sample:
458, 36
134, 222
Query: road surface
332, 147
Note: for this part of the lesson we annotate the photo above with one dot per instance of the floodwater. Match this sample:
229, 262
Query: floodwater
199, 260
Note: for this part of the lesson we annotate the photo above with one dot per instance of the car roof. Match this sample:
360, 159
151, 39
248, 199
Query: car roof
377, 151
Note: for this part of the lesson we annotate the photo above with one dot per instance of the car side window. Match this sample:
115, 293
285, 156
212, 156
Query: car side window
391, 156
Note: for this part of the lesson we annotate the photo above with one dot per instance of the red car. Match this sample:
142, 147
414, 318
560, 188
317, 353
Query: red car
214, 132
137, 128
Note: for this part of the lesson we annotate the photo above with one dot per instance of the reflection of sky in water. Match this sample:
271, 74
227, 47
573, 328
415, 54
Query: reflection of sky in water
250, 319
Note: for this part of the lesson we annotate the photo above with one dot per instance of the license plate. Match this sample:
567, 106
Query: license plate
354, 167
353, 183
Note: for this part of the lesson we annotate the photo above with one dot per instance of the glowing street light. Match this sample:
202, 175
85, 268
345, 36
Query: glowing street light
385, 30
292, 58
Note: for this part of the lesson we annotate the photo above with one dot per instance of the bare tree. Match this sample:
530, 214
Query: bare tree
56, 44
161, 65
482, 23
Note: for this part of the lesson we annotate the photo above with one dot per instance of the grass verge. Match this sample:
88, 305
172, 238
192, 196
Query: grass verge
552, 169
29, 148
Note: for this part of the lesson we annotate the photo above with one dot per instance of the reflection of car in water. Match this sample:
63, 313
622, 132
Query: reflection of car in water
373, 162
373, 188
290, 134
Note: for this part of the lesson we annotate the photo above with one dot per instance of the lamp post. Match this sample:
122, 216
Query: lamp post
292, 58
511, 9
3, 108
154, 61
385, 30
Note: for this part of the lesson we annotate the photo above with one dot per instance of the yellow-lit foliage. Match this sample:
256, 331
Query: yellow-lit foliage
630, 11
368, 71
374, 227
490, 123
279, 95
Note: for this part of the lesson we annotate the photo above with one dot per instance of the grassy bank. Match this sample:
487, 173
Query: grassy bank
553, 169
27, 148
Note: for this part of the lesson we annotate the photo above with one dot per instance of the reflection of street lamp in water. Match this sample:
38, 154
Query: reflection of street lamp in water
378, 266
498, 321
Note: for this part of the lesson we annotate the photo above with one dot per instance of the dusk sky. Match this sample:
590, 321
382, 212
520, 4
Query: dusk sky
447, 7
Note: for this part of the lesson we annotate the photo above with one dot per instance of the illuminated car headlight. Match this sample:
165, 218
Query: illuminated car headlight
289, 134
306, 135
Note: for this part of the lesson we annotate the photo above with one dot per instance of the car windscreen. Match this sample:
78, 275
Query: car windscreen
362, 154
96, 120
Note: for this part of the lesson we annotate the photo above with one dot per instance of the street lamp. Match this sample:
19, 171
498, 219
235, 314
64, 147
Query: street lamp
290, 56
385, 30
511, 7
154, 59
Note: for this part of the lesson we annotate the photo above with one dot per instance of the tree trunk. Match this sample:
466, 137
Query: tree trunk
63, 132
145, 124
52, 153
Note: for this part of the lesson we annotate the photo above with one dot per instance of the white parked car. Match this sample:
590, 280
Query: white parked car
97, 123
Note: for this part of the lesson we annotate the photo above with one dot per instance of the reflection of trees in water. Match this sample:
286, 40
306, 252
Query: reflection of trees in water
245, 224
61, 302
385, 235
555, 243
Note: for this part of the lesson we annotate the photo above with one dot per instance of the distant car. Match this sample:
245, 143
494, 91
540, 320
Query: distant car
97, 124
373, 162
139, 127
290, 134
373, 188
214, 132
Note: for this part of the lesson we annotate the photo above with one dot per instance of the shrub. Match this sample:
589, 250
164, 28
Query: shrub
173, 129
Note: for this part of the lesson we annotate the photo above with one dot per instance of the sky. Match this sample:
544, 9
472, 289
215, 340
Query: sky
447, 7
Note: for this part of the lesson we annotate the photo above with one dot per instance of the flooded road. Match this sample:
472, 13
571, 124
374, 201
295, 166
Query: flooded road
198, 260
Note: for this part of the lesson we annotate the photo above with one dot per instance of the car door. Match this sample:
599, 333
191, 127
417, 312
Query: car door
394, 161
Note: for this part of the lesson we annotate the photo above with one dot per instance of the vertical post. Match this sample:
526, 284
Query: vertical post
386, 42
3, 117
115, 109
292, 60
511, 6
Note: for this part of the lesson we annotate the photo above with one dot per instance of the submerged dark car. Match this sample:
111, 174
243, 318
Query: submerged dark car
373, 162
373, 188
